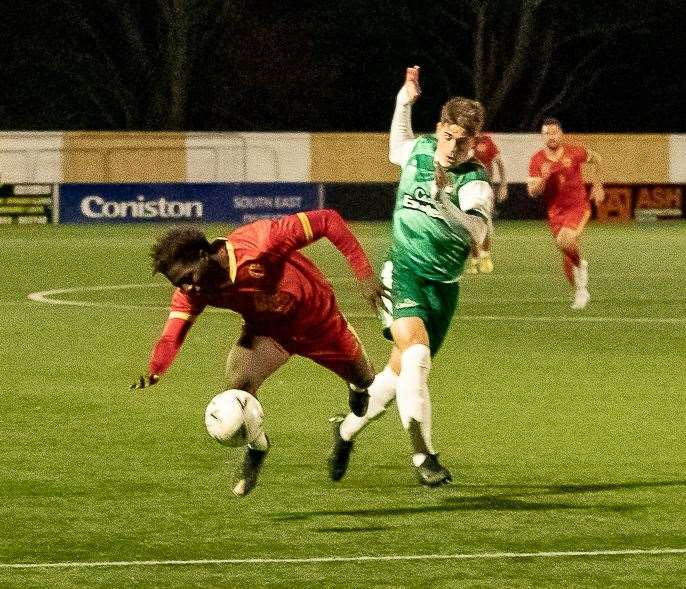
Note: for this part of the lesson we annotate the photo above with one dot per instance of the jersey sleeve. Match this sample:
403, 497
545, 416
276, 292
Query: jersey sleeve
490, 150
474, 212
293, 232
182, 313
535, 167
476, 196
581, 154
184, 306
494, 151
401, 140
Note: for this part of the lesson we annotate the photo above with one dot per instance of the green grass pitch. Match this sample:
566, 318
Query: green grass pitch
566, 431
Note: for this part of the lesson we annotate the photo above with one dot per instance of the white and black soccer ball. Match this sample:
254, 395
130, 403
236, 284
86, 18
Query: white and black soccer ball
234, 418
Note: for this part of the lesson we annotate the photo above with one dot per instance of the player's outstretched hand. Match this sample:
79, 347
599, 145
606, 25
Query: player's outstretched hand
372, 290
144, 381
410, 91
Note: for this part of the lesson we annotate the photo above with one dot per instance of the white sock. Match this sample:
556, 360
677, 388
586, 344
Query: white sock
412, 389
426, 419
381, 393
418, 459
583, 274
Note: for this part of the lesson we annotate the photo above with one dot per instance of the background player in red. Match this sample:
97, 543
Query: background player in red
555, 173
487, 152
287, 304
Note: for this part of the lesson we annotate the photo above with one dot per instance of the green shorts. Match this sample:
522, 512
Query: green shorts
414, 296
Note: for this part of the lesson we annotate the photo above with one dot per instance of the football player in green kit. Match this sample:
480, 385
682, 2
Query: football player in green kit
442, 213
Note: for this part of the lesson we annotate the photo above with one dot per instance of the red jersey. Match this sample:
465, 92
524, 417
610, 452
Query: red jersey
485, 150
564, 187
278, 291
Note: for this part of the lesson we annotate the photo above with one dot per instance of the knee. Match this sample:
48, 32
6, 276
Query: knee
417, 355
381, 393
243, 383
566, 239
363, 379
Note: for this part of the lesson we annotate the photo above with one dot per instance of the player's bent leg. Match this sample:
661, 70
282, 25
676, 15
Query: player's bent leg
354, 366
340, 451
566, 239
412, 390
412, 339
345, 428
412, 396
252, 359
381, 393
471, 265
249, 469
361, 378
485, 262
576, 268
358, 399
581, 294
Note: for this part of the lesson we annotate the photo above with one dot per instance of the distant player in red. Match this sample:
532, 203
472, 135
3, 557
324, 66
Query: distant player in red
287, 305
487, 152
555, 172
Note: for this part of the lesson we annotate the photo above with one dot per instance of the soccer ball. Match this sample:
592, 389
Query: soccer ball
234, 418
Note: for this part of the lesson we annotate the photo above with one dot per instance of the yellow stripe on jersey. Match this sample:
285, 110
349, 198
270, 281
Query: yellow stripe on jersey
180, 315
307, 228
233, 266
351, 329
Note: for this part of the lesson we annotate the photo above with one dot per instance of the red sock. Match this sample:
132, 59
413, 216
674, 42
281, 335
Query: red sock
572, 259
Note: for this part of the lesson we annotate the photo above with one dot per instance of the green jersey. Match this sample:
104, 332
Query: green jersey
422, 238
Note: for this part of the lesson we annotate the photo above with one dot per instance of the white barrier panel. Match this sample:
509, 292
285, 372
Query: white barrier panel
248, 157
677, 158
27, 156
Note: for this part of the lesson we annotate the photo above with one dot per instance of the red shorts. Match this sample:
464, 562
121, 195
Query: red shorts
334, 345
574, 218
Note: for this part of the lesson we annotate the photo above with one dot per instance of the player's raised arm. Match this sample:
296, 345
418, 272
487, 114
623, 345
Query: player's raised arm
401, 139
296, 231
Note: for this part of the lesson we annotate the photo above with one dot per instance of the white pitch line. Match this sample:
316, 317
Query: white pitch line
545, 275
44, 296
334, 559
47, 297
572, 319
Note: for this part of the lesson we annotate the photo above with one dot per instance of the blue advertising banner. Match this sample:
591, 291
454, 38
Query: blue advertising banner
184, 202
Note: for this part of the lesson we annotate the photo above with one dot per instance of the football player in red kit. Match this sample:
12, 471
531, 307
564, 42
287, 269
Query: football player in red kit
487, 152
287, 305
555, 173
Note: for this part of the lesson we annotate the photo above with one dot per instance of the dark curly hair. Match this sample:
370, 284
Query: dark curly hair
179, 244
551, 121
